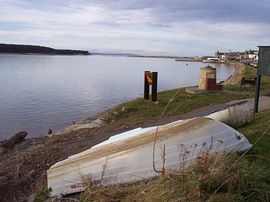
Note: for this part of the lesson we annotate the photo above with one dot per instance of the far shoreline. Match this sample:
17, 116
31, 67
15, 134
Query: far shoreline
44, 54
36, 49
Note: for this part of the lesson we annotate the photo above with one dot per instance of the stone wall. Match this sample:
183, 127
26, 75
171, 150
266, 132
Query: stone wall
206, 72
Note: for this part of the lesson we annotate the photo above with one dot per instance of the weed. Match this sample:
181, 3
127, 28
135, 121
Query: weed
84, 197
42, 195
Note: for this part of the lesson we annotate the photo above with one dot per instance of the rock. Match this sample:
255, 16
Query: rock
81, 126
124, 127
55, 199
15, 139
31, 198
49, 131
115, 113
2, 149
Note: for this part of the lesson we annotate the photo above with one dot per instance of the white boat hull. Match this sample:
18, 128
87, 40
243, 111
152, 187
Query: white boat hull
128, 157
234, 115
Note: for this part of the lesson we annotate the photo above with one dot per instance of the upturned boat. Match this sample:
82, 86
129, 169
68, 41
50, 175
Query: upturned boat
140, 153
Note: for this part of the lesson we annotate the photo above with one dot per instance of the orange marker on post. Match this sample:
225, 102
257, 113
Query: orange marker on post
150, 79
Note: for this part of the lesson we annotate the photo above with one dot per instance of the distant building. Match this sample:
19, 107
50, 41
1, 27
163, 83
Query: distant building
248, 57
220, 55
251, 54
230, 55
234, 56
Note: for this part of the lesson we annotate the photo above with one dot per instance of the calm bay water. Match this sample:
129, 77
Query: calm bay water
41, 92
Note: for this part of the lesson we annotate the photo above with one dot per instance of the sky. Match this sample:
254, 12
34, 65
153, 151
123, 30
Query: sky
149, 27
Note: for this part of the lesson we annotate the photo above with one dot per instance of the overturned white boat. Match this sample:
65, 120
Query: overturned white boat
234, 115
130, 156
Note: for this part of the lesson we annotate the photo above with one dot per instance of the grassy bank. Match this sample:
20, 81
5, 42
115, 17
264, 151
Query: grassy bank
177, 101
170, 103
265, 80
257, 131
249, 72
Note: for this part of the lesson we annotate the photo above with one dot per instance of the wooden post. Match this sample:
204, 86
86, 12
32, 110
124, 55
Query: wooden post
154, 86
258, 84
146, 86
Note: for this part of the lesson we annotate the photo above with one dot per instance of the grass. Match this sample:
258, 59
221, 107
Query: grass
229, 177
180, 102
246, 181
139, 110
42, 195
265, 80
254, 131
251, 72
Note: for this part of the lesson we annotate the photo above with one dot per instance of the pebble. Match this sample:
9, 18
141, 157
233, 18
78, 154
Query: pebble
31, 198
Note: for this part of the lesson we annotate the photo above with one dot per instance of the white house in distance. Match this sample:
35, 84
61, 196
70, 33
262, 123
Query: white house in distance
220, 55
252, 54
229, 55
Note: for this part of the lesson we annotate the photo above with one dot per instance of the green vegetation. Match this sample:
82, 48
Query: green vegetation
254, 131
177, 101
30, 49
215, 180
42, 195
172, 102
250, 72
265, 80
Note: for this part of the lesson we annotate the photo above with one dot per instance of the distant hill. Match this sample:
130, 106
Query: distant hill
115, 54
30, 49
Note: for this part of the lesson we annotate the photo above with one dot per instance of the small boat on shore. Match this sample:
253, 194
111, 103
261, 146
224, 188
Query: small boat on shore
234, 115
133, 155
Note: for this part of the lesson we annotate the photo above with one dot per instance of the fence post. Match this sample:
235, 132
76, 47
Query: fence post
257, 96
146, 86
154, 86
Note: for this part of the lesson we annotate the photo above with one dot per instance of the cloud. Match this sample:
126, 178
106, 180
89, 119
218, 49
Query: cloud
186, 27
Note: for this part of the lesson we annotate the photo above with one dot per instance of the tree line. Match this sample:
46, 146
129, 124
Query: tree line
31, 49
